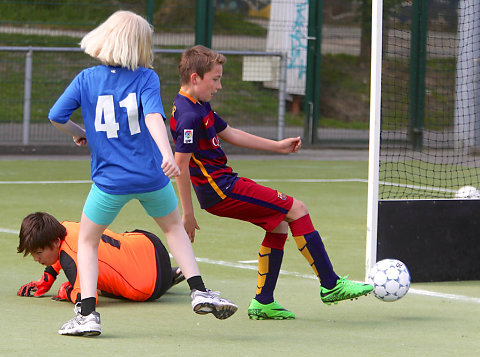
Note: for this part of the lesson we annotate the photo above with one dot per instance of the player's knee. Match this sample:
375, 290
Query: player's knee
299, 209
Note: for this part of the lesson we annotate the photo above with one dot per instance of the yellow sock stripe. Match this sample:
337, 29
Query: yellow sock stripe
302, 247
263, 257
209, 178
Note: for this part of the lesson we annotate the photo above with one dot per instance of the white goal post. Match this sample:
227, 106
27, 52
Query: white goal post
374, 136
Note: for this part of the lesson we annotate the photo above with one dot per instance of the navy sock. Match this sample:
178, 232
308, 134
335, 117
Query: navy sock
310, 244
270, 258
269, 263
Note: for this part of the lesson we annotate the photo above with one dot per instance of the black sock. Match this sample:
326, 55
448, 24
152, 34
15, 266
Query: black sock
88, 306
196, 282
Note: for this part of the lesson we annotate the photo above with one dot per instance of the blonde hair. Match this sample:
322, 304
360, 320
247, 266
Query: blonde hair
198, 59
124, 39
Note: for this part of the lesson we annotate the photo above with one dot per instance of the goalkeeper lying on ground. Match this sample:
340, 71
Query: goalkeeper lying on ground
132, 265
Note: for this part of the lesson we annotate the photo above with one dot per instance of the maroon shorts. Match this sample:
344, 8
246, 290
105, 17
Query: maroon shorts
251, 202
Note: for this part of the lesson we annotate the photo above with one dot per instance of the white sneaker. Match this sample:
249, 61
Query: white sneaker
82, 325
205, 302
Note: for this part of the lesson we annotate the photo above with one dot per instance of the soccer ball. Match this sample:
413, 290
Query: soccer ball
390, 279
467, 192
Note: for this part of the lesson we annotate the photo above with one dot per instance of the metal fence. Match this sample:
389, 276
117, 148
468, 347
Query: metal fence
258, 37
40, 90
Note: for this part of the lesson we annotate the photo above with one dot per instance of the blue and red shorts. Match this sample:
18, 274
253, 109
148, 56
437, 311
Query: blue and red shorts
251, 202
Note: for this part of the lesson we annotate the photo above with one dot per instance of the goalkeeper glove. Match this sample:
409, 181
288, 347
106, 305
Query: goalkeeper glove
64, 292
39, 287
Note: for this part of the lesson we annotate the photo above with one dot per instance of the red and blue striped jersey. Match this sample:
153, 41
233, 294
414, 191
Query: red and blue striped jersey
194, 127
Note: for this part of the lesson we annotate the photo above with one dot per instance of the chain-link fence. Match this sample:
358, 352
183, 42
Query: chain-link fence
250, 95
250, 106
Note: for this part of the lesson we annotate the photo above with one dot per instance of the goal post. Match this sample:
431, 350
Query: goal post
424, 138
374, 135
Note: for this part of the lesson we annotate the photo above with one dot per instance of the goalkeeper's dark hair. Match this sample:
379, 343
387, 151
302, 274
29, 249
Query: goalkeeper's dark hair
39, 230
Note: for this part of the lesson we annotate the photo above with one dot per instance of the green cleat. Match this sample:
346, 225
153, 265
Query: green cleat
272, 311
344, 290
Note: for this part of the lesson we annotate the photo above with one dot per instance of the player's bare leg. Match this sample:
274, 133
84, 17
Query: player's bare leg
203, 302
87, 320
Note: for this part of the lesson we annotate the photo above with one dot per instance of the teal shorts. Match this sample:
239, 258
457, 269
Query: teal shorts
102, 208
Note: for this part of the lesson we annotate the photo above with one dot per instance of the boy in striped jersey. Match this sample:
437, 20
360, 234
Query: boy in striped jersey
196, 131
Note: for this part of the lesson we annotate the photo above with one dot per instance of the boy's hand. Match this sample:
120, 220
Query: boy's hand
190, 224
39, 287
290, 145
63, 292
80, 140
169, 167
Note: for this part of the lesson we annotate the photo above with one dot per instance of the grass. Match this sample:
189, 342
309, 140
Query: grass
83, 14
417, 325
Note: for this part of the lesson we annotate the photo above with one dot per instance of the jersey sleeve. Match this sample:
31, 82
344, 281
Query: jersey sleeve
67, 103
150, 96
220, 124
186, 132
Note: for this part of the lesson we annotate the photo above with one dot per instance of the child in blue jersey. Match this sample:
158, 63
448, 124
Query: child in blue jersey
131, 157
196, 130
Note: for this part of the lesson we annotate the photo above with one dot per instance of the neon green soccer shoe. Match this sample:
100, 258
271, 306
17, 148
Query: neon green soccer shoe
344, 290
272, 311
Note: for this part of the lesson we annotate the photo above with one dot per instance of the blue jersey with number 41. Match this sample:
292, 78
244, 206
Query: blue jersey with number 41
114, 101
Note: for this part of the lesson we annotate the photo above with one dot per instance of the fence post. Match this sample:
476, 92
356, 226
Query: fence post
312, 85
27, 96
282, 95
204, 23
149, 10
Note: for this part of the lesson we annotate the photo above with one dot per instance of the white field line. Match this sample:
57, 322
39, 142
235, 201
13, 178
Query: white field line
42, 182
415, 187
5, 230
240, 265
257, 180
311, 276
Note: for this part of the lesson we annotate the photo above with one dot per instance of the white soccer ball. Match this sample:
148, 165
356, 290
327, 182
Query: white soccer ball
390, 279
467, 192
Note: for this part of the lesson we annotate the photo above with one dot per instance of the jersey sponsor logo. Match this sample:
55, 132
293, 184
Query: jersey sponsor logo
188, 136
282, 196
216, 141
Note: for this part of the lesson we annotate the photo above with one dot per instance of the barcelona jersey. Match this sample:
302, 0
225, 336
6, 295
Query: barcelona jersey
194, 127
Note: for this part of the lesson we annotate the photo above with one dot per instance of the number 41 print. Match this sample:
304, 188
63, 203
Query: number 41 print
105, 109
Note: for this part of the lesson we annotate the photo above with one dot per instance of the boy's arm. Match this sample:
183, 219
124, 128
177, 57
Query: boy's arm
241, 138
184, 191
156, 127
72, 129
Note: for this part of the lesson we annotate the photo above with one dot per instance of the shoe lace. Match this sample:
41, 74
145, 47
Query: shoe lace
77, 308
213, 293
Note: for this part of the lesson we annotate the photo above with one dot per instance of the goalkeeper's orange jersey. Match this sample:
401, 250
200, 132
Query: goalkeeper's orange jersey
132, 265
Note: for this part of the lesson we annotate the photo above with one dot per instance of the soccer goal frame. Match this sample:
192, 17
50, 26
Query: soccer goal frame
436, 238
374, 135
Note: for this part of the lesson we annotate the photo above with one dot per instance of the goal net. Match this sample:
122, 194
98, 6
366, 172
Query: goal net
425, 133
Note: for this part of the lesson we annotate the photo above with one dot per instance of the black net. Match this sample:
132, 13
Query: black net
430, 116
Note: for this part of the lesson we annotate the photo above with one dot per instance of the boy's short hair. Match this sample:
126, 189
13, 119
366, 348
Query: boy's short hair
198, 59
124, 39
39, 230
